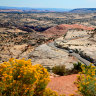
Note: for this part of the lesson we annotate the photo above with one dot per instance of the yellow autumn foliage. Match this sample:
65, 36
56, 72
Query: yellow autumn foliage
87, 81
21, 78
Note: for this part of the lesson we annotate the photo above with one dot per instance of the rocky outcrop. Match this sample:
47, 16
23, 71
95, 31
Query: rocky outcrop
31, 39
62, 29
49, 57
77, 26
58, 30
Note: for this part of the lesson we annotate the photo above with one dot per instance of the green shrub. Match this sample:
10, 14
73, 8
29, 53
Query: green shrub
77, 67
59, 70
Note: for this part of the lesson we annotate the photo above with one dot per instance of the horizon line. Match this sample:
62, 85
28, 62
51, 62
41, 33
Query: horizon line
45, 7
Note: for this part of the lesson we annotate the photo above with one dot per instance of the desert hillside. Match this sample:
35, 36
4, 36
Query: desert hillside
51, 39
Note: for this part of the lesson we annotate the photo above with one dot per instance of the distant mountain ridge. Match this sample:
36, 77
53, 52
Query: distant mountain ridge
83, 10
26, 9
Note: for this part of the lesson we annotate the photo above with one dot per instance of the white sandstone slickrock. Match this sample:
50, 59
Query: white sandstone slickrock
49, 57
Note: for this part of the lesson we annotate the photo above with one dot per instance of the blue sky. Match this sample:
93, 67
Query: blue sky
50, 3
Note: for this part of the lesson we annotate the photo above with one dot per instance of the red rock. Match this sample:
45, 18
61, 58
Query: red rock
63, 28
55, 31
64, 84
77, 26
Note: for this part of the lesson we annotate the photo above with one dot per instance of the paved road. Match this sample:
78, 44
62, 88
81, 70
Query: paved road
84, 61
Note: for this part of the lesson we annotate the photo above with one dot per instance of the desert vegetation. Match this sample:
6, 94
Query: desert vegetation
34, 29
27, 35
61, 70
21, 78
87, 81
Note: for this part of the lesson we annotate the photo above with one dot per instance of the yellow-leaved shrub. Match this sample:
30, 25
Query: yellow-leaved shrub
87, 81
49, 92
21, 78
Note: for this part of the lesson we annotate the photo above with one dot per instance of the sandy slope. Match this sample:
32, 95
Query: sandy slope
64, 84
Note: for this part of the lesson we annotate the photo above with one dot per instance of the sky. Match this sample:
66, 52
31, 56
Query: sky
50, 3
